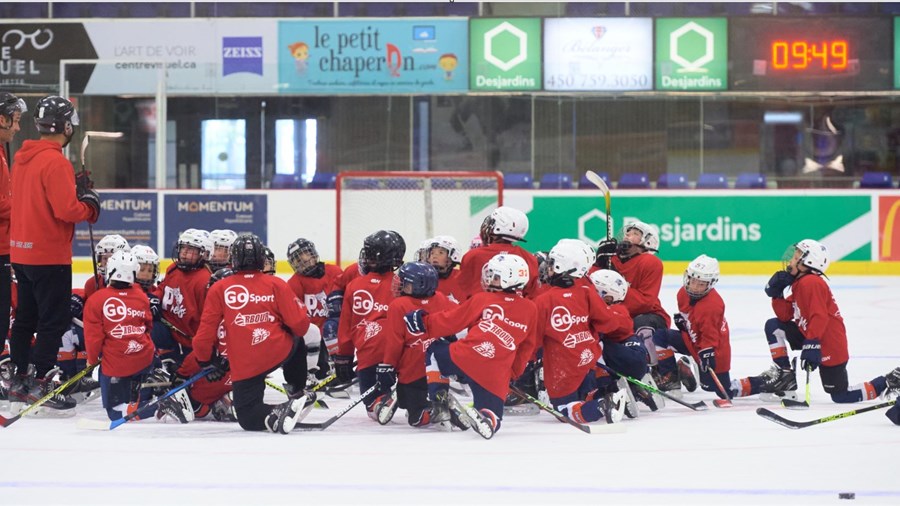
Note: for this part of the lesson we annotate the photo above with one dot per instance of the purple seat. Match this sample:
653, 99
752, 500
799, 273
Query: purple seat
556, 182
750, 180
633, 181
672, 181
712, 181
876, 180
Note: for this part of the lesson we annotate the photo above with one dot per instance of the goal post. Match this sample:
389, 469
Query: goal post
418, 205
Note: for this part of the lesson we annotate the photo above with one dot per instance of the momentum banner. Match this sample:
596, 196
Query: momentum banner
209, 211
133, 215
373, 56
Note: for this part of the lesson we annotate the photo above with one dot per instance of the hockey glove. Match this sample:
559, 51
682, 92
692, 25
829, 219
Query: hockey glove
83, 183
220, 365
343, 368
681, 323
811, 355
76, 306
415, 323
387, 376
605, 250
155, 306
329, 335
334, 302
707, 360
92, 199
777, 283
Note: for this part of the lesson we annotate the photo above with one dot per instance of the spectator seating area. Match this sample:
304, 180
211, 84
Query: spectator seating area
626, 181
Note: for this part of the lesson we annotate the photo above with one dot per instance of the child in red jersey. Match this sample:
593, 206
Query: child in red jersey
702, 333
501, 337
569, 318
633, 257
117, 322
311, 282
807, 318
365, 306
443, 253
404, 353
499, 230
183, 293
104, 249
261, 317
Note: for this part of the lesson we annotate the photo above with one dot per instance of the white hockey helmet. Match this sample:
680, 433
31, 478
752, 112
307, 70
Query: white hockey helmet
223, 237
509, 271
609, 282
122, 267
568, 258
146, 256
195, 238
421, 253
588, 250
814, 255
504, 222
106, 246
702, 268
649, 234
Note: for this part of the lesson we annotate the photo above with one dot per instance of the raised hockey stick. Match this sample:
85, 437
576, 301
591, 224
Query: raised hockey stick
604, 188
780, 420
86, 176
720, 403
327, 423
792, 404
6, 422
697, 406
587, 429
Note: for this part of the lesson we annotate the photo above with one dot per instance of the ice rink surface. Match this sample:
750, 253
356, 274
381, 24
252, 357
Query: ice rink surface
674, 456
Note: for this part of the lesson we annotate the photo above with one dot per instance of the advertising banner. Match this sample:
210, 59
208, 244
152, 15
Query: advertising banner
888, 227
30, 55
373, 56
691, 54
728, 227
506, 54
133, 215
241, 213
598, 54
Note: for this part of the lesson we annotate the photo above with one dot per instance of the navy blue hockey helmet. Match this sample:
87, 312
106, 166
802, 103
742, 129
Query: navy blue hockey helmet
420, 276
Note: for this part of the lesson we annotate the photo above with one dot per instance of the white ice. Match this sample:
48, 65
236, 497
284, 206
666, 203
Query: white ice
721, 456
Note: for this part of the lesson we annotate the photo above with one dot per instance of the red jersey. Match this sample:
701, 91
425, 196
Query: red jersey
625, 327
362, 323
183, 293
92, 284
405, 351
117, 326
314, 292
811, 305
261, 314
44, 207
644, 273
451, 287
708, 327
344, 278
475, 259
568, 322
5, 203
502, 329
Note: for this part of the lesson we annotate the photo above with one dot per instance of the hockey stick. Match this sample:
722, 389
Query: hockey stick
603, 187
6, 422
278, 388
720, 403
768, 415
85, 174
96, 425
792, 404
587, 429
697, 406
327, 423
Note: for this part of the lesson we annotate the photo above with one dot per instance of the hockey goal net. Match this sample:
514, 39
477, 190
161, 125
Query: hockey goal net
418, 205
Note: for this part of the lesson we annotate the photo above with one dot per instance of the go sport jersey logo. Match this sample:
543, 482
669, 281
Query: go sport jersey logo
562, 320
364, 303
242, 54
115, 310
720, 230
237, 296
495, 312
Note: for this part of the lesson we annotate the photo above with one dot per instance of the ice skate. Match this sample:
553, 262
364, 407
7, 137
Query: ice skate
779, 384
285, 416
176, 407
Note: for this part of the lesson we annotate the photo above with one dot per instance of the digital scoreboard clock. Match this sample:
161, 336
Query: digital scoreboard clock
811, 54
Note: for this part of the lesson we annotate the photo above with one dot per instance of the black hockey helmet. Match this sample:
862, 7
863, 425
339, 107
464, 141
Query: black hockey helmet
11, 104
219, 275
248, 253
55, 115
382, 252
304, 258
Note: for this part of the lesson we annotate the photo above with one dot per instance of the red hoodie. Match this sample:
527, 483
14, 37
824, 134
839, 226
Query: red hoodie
44, 207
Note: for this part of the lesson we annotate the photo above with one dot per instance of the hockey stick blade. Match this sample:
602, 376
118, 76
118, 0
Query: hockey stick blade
792, 404
791, 424
720, 403
327, 423
723, 403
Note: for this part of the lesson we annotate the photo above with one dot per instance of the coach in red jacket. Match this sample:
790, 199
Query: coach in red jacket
45, 209
11, 109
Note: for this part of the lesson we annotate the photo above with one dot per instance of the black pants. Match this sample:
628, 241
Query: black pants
248, 394
5, 298
44, 292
